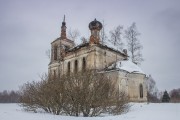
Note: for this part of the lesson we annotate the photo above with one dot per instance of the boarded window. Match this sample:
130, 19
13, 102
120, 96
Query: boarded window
84, 64
141, 90
76, 66
55, 52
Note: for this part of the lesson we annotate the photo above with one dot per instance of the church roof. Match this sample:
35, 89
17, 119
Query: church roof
59, 38
78, 47
126, 65
99, 45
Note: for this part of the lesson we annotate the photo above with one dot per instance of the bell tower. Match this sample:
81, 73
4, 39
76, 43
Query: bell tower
59, 47
65, 43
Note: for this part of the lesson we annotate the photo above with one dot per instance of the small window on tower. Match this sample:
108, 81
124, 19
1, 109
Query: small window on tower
54, 74
76, 66
55, 52
84, 64
69, 68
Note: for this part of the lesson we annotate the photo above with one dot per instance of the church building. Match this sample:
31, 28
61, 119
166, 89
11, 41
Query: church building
67, 58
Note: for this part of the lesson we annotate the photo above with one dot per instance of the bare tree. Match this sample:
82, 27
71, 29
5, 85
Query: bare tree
152, 91
175, 95
48, 54
115, 37
73, 34
133, 43
103, 35
84, 40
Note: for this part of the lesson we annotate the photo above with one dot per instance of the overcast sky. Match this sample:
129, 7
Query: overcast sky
27, 27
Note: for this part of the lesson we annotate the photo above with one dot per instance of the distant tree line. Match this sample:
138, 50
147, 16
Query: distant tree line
175, 95
9, 97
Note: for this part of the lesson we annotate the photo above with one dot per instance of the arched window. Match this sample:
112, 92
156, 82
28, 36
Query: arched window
69, 68
55, 52
76, 66
84, 64
141, 90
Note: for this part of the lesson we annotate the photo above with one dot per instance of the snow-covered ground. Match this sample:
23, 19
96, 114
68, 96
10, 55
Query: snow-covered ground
139, 111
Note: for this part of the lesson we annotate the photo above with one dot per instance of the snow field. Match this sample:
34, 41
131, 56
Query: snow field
138, 111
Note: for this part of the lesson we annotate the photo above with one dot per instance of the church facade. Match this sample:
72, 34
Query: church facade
67, 58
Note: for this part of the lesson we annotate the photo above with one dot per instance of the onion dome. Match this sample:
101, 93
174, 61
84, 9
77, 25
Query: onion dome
95, 25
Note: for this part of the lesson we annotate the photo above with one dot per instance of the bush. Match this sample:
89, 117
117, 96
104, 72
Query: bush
89, 93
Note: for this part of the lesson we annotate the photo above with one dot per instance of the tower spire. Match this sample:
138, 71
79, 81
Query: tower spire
63, 29
64, 19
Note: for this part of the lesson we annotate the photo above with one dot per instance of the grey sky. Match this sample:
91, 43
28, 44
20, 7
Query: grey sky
27, 27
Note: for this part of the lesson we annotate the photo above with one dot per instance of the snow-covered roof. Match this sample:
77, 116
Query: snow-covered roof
126, 65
